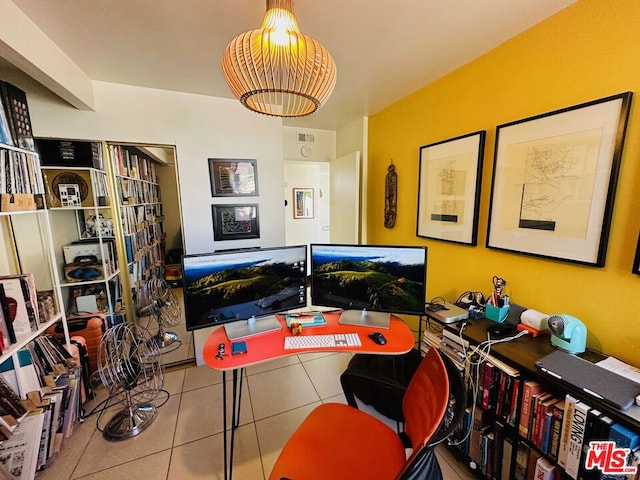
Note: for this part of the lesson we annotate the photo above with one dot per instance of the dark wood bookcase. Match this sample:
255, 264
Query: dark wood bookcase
521, 355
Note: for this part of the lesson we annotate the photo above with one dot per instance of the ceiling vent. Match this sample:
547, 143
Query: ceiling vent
306, 138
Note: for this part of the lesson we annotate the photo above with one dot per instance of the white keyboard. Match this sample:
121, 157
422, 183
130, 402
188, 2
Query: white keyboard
322, 341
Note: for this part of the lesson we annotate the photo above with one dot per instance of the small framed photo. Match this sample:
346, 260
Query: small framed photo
233, 178
303, 203
449, 189
234, 222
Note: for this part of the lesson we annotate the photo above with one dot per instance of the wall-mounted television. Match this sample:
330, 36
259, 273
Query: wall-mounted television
369, 282
243, 289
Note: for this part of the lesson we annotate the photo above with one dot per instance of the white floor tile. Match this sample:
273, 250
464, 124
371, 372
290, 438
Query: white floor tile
277, 391
185, 441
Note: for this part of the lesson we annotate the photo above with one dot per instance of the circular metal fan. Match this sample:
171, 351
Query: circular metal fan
131, 369
164, 306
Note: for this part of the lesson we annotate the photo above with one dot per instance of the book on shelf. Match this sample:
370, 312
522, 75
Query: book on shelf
529, 388
487, 444
569, 407
19, 454
20, 294
43, 449
557, 417
532, 461
8, 372
69, 153
543, 421
6, 324
497, 452
17, 112
479, 423
544, 470
522, 458
5, 130
12, 408
507, 458
488, 384
536, 400
55, 434
591, 433
576, 438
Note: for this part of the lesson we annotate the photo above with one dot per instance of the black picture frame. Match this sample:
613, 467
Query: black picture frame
636, 260
233, 178
554, 181
235, 221
449, 183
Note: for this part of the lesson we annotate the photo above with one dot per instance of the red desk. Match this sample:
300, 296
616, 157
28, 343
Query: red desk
270, 345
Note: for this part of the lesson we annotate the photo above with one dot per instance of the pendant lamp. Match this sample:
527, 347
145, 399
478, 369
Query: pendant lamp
276, 70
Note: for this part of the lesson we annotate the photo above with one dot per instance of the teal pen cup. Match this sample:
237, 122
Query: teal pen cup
496, 314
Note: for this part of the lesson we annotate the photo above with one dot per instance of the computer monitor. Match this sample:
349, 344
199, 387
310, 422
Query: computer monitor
242, 290
368, 281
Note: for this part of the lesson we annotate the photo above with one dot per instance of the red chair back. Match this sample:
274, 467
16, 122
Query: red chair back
425, 402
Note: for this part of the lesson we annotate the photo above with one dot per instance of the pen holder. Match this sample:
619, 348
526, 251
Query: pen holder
496, 314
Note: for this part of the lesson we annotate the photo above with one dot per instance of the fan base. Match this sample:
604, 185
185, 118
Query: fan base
128, 423
164, 339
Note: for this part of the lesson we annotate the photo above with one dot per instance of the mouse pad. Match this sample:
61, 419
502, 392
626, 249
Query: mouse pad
598, 382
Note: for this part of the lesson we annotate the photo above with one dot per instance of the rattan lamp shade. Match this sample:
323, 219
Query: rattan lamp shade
276, 70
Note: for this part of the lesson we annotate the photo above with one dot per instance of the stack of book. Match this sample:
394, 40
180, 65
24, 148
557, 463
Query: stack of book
40, 402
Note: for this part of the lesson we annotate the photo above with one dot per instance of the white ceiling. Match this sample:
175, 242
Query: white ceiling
384, 50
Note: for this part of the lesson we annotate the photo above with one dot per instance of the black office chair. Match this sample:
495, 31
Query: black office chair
381, 380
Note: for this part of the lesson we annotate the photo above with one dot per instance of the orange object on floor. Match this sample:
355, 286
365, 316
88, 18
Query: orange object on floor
338, 442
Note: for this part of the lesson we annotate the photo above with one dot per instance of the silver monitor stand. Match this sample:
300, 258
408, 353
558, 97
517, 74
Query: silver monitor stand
253, 326
364, 318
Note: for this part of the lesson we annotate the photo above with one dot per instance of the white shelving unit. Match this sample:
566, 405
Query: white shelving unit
29, 248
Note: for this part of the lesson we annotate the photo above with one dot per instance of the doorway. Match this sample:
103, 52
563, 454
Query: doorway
336, 198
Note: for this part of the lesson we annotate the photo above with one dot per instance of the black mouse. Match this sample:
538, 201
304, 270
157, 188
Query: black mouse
378, 338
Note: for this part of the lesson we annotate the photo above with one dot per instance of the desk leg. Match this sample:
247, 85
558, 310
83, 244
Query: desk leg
235, 419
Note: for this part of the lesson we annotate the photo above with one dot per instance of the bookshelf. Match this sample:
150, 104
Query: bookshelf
84, 239
26, 240
517, 439
138, 199
26, 235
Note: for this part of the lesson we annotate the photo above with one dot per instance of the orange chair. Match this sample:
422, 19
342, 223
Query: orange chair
338, 442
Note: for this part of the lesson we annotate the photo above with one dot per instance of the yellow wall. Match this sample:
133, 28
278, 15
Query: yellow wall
587, 51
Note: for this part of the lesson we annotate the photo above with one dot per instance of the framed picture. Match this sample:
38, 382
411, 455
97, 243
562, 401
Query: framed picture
554, 181
233, 178
636, 261
232, 222
449, 189
303, 203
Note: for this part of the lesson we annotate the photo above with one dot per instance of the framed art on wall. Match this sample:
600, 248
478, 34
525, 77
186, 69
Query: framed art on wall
233, 222
636, 261
233, 178
554, 181
303, 203
449, 189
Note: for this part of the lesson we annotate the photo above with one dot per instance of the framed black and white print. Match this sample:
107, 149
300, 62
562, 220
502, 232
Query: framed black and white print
233, 222
449, 189
636, 261
554, 181
233, 178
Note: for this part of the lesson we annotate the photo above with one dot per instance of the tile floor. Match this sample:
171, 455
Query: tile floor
185, 440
